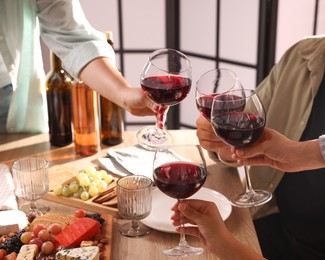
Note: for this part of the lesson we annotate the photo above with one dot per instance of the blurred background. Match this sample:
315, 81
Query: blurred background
247, 36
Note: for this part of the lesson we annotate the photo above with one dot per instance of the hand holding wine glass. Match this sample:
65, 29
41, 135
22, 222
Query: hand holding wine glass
179, 171
238, 118
31, 181
166, 80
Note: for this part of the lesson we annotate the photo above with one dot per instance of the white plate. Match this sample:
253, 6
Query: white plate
159, 217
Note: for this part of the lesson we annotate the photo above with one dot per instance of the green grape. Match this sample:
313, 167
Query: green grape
84, 195
93, 191
108, 178
65, 191
93, 185
84, 181
102, 185
57, 190
103, 173
90, 170
73, 187
82, 175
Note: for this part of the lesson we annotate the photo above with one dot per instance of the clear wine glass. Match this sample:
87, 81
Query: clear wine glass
212, 83
166, 80
134, 203
238, 118
30, 175
179, 171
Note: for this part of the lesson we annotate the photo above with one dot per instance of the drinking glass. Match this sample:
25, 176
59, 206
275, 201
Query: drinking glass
30, 175
166, 80
238, 118
134, 203
179, 171
212, 83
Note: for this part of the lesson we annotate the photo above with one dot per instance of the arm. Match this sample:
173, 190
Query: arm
277, 151
211, 230
86, 54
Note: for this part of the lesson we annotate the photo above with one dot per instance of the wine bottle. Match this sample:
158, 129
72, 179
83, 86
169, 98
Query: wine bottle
58, 92
111, 115
85, 119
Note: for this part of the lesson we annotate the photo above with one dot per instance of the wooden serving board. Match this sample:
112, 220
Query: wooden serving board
63, 175
107, 231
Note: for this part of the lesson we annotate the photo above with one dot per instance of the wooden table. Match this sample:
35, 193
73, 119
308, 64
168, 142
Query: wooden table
222, 179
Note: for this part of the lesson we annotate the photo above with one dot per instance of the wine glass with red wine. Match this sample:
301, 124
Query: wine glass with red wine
211, 84
238, 118
179, 171
166, 80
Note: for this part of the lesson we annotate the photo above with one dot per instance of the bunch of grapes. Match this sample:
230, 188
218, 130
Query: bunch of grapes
42, 236
89, 183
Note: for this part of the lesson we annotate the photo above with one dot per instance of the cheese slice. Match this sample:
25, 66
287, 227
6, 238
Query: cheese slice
80, 253
12, 221
27, 252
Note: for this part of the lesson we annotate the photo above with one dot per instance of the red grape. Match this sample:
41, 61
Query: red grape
36, 241
47, 247
26, 237
44, 235
55, 228
80, 213
37, 228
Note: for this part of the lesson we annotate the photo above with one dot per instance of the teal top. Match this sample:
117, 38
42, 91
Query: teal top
65, 30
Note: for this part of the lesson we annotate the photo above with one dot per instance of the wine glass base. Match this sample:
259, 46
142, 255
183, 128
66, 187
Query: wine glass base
183, 251
130, 231
150, 137
254, 199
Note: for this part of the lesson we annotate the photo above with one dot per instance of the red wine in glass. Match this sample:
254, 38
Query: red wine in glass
241, 123
211, 84
204, 104
166, 90
179, 171
166, 80
238, 129
179, 180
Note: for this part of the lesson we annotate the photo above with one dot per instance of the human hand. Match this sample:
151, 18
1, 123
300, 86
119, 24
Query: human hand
207, 137
210, 226
276, 150
138, 104
210, 229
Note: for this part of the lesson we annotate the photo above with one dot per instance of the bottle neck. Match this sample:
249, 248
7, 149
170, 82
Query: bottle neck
56, 63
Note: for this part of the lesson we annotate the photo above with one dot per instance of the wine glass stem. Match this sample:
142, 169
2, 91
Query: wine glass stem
161, 119
249, 189
32, 205
182, 240
134, 224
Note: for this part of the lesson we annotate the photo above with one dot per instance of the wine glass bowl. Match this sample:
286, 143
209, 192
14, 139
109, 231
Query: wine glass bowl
30, 175
238, 118
134, 203
166, 80
179, 171
212, 83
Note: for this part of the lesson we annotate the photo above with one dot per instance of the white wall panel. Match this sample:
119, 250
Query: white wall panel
188, 110
198, 26
144, 24
102, 15
295, 21
239, 30
246, 75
